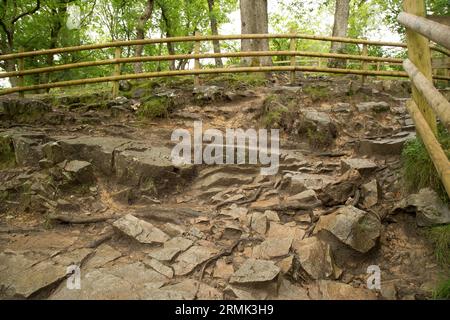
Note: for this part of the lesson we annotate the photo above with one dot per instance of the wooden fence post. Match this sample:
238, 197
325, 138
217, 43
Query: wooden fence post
117, 72
446, 69
365, 53
21, 67
197, 61
419, 53
293, 47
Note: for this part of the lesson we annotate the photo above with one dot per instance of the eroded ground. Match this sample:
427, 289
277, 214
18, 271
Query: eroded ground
88, 181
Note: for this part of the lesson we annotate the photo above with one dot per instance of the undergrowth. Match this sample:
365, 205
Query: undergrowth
440, 237
158, 107
418, 169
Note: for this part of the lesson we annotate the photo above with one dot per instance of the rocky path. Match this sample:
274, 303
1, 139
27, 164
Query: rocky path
94, 187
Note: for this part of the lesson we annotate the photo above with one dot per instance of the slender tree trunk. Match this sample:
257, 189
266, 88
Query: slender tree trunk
170, 47
54, 36
140, 33
340, 29
214, 31
255, 20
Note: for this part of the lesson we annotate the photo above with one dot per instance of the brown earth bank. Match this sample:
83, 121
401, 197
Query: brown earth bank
88, 180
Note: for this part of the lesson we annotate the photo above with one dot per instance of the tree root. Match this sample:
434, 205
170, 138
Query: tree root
80, 220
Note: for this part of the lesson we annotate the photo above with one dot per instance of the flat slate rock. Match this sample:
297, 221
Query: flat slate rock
254, 271
190, 259
171, 249
141, 230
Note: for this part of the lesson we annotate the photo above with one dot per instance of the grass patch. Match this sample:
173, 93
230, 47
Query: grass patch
418, 169
316, 93
442, 291
440, 236
273, 112
238, 80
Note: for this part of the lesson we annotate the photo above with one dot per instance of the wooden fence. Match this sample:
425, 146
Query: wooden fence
427, 103
197, 56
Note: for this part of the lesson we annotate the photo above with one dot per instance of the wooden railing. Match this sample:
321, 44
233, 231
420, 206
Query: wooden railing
427, 103
196, 56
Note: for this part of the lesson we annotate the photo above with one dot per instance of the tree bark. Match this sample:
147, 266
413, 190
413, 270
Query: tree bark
340, 29
214, 31
140, 33
170, 47
255, 20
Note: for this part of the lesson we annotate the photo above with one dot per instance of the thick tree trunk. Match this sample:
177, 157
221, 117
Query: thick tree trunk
140, 33
254, 20
340, 29
170, 47
214, 31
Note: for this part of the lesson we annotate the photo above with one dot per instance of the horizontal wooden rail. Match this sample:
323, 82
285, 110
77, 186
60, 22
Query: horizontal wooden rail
435, 99
196, 38
200, 72
205, 38
434, 31
438, 156
196, 56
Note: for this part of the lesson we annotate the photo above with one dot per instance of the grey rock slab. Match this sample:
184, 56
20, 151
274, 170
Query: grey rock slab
301, 182
190, 259
159, 267
188, 289
97, 150
118, 282
141, 230
25, 273
364, 166
223, 180
384, 147
254, 271
370, 193
103, 255
315, 258
373, 106
171, 249
259, 222
332, 290
429, 208
273, 248
82, 171
305, 200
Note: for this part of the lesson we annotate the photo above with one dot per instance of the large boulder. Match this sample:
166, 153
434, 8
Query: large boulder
429, 209
356, 228
23, 110
384, 147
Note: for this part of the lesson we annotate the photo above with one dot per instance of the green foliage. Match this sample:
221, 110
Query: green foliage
273, 113
440, 236
157, 107
418, 169
442, 291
